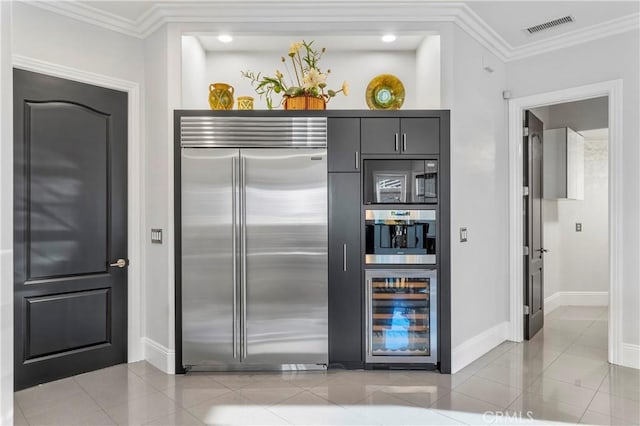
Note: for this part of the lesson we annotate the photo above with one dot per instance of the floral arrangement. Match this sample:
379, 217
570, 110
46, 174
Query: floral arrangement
307, 78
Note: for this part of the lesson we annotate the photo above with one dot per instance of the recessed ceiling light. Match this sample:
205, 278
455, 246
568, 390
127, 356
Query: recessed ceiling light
225, 38
388, 38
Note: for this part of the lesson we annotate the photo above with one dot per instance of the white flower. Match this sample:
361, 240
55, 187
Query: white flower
345, 88
313, 78
294, 48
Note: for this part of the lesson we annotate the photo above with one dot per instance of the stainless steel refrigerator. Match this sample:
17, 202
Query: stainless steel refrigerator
254, 242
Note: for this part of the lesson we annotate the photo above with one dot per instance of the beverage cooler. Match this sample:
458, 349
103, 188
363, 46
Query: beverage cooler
401, 316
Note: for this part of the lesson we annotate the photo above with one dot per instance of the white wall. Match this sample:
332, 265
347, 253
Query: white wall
579, 261
163, 96
194, 74
6, 217
479, 169
611, 58
356, 67
428, 77
158, 143
54, 38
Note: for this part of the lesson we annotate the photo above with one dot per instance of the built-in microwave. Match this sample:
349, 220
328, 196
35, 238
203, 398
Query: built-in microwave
400, 236
400, 181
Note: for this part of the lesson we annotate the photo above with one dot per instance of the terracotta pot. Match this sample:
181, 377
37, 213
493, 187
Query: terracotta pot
304, 102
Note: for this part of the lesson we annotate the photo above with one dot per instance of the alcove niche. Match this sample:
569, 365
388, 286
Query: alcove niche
356, 59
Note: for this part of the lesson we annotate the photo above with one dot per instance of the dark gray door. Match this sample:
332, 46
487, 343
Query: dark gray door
380, 135
345, 283
534, 262
420, 135
70, 211
343, 137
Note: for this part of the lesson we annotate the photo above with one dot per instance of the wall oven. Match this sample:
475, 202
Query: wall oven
400, 237
401, 316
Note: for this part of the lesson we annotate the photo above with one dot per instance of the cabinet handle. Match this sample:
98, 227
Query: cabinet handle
344, 257
357, 161
404, 142
396, 142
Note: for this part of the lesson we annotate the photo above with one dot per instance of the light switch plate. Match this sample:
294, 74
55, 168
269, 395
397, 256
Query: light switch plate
156, 236
463, 235
578, 227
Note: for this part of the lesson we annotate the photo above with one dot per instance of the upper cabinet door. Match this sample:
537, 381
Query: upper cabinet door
343, 138
380, 135
420, 135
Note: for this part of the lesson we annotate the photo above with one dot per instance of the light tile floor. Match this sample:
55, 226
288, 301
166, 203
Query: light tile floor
560, 376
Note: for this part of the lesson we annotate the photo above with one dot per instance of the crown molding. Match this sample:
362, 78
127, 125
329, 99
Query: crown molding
238, 12
90, 15
478, 29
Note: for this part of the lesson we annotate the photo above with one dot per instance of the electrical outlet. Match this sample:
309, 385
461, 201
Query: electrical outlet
463, 235
578, 227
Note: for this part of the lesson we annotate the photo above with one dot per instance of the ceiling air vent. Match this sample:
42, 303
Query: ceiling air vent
540, 27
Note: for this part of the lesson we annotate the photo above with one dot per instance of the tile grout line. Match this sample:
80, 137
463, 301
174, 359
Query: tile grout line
96, 402
17, 405
594, 395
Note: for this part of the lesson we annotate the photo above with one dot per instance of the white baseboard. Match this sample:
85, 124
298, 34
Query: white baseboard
472, 349
575, 298
159, 356
631, 355
552, 303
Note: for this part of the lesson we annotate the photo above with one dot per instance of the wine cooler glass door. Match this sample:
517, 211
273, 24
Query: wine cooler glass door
401, 316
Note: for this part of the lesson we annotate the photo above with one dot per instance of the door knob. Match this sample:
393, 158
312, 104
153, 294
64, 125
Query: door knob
543, 250
120, 263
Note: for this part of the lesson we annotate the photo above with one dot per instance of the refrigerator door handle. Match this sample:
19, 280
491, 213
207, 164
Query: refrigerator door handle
243, 254
234, 249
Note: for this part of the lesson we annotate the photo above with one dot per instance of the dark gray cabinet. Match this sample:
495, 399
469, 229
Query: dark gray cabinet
420, 135
412, 135
343, 137
345, 283
380, 135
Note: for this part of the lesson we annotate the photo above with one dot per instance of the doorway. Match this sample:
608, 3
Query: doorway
70, 242
517, 106
570, 223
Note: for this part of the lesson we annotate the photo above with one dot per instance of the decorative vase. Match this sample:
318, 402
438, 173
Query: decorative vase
304, 102
245, 103
220, 96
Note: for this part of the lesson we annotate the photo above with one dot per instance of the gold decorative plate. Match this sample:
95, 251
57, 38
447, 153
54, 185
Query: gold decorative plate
385, 91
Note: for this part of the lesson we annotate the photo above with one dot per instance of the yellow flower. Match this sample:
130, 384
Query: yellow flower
279, 75
294, 48
313, 78
345, 88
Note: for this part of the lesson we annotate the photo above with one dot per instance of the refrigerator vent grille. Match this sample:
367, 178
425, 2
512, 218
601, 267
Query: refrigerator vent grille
302, 132
550, 24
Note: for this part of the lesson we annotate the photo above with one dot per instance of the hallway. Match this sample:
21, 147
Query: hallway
561, 375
